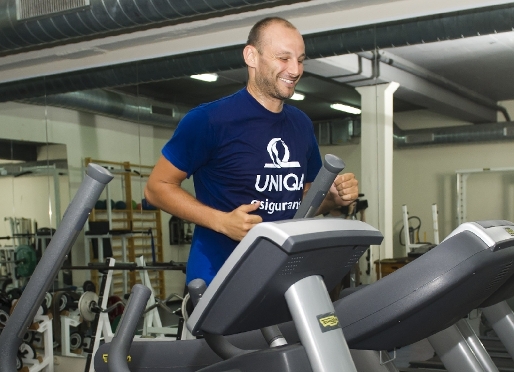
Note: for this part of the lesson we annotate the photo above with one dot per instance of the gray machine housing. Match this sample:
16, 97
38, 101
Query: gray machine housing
413, 303
432, 292
272, 257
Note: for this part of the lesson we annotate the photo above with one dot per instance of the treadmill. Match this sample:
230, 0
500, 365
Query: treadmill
429, 297
278, 272
426, 298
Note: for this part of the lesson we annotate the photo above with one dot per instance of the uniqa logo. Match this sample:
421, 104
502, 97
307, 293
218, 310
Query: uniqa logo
273, 152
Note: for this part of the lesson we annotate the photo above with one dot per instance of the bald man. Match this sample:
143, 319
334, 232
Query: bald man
252, 157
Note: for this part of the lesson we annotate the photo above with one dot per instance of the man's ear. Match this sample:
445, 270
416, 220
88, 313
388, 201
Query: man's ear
250, 55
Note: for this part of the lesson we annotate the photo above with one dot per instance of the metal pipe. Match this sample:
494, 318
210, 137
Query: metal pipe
407, 66
33, 23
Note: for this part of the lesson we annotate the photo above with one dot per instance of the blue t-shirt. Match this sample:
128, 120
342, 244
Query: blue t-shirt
238, 152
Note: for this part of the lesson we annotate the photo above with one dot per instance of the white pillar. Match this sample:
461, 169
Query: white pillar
377, 164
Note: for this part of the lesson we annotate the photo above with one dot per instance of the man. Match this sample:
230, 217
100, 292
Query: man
251, 156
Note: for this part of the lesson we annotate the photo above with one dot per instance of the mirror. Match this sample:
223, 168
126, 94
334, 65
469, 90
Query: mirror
34, 184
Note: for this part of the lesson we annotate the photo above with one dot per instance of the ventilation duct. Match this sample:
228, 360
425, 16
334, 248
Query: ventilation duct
438, 80
28, 23
125, 74
117, 105
503, 131
337, 42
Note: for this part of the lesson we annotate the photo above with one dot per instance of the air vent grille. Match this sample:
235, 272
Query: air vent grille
499, 277
26, 9
291, 265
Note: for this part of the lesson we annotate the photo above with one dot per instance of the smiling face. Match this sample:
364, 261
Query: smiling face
275, 65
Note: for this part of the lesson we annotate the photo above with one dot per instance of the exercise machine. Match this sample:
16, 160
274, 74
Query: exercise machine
426, 297
280, 269
430, 295
417, 249
48, 267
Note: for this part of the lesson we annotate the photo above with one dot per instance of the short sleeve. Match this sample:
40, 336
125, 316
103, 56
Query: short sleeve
314, 161
192, 143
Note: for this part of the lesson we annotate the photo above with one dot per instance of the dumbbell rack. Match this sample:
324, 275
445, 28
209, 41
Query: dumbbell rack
152, 324
67, 321
101, 326
7, 256
45, 362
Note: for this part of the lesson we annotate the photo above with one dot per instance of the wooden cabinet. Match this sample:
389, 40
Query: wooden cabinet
389, 265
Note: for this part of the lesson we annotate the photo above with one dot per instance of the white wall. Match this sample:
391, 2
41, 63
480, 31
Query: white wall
422, 175
85, 135
30, 197
426, 175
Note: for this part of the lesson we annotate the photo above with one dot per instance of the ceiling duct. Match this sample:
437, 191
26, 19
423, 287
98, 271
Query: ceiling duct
503, 131
29, 23
117, 105
438, 80
337, 42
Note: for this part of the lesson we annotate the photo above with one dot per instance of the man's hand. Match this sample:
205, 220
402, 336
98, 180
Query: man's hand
237, 223
345, 189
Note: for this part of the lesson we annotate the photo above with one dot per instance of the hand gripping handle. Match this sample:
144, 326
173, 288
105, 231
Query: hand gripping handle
320, 187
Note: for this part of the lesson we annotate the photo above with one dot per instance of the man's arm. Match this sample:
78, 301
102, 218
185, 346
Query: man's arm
343, 192
164, 191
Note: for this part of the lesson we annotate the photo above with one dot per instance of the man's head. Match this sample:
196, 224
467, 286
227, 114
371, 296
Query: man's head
274, 54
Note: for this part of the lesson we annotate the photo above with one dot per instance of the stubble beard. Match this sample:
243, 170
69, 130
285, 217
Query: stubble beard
270, 88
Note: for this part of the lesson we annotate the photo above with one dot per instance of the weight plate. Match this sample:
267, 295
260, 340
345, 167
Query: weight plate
7, 285
42, 310
89, 286
85, 303
64, 302
4, 299
4, 314
48, 300
37, 341
28, 337
19, 363
27, 351
75, 341
26, 261
14, 293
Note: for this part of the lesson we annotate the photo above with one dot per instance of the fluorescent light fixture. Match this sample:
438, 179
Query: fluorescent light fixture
297, 97
345, 108
206, 77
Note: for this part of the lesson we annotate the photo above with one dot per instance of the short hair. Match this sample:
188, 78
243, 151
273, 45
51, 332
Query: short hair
255, 35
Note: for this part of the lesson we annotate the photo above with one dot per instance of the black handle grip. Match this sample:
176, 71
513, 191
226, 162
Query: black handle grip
320, 187
196, 288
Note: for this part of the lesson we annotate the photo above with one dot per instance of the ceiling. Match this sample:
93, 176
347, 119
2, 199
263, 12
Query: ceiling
481, 64
468, 75
320, 92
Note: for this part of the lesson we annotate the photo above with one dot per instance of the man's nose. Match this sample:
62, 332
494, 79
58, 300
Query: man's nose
294, 68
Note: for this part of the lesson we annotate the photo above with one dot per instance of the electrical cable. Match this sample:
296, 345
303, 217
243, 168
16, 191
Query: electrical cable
414, 230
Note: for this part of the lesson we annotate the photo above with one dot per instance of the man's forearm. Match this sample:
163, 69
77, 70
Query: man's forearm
178, 202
